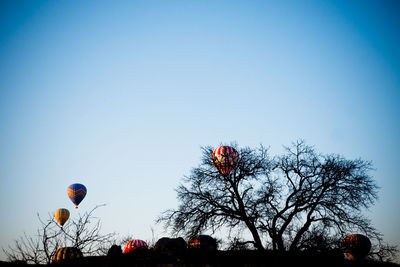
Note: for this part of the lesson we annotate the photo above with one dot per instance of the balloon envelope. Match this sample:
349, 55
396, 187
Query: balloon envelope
76, 193
66, 253
203, 242
135, 244
225, 159
61, 216
356, 246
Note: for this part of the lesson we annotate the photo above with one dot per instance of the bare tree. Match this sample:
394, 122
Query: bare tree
383, 251
282, 201
82, 233
317, 189
212, 200
38, 248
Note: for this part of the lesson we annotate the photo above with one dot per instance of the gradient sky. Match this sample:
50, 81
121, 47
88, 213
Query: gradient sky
121, 95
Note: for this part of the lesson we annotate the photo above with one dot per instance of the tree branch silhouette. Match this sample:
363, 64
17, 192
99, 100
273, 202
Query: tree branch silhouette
83, 232
283, 198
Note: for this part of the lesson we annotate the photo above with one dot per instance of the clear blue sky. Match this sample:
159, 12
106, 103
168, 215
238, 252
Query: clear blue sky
120, 95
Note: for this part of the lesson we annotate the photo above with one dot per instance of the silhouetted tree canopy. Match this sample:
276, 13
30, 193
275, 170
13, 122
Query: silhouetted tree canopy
292, 201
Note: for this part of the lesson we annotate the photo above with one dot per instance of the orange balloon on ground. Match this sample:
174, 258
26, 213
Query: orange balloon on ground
66, 254
356, 246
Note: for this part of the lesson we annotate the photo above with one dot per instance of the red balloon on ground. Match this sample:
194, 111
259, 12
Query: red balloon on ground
135, 244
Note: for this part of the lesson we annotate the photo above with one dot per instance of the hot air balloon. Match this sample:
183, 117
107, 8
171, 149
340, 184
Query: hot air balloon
225, 159
356, 246
204, 242
135, 244
66, 253
61, 216
76, 193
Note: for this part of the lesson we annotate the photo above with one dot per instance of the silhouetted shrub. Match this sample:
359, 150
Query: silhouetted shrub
170, 246
115, 251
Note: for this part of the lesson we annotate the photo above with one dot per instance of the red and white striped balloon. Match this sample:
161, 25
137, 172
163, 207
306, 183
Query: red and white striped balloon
134, 244
225, 159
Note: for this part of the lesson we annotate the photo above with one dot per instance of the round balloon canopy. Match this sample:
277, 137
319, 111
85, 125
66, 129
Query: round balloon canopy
66, 253
61, 216
135, 244
356, 246
76, 193
203, 242
225, 159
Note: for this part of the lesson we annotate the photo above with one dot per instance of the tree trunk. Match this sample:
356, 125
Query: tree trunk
303, 229
256, 236
250, 224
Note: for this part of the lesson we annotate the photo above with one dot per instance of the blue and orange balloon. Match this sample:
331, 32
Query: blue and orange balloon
76, 193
